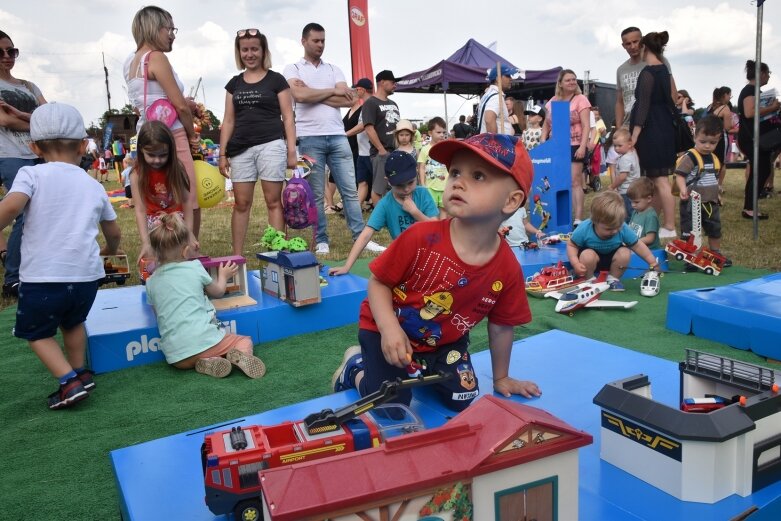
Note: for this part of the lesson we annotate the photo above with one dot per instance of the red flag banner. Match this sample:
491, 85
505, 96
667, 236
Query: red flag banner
360, 49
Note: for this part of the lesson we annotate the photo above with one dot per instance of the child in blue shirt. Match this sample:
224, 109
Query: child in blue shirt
404, 205
603, 242
644, 221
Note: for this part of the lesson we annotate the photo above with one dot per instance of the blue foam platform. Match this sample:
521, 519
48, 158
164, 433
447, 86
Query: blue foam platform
122, 328
162, 479
744, 315
534, 260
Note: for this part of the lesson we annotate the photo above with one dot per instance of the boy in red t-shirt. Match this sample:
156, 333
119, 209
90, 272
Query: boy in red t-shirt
438, 279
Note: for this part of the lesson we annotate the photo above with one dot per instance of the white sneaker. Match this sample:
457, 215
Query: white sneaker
666, 233
322, 248
374, 247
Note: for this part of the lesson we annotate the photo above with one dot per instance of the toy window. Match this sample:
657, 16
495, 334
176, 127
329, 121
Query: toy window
226, 476
216, 477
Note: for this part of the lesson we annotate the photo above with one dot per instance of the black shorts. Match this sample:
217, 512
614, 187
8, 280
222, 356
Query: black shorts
45, 306
605, 259
128, 193
456, 393
711, 219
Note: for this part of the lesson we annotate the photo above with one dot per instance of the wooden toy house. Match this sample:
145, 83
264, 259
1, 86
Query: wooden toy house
236, 289
498, 459
293, 277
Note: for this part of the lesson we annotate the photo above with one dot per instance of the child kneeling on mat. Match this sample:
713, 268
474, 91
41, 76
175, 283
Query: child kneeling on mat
190, 335
439, 279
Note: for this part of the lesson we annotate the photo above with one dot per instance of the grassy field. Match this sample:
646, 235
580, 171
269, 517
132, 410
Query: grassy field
738, 242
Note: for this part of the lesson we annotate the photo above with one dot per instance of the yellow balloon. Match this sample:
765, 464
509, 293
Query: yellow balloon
209, 184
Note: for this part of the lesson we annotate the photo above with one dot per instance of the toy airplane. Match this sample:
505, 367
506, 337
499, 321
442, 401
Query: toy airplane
586, 295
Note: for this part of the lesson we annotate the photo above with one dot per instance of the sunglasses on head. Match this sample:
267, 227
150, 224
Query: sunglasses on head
247, 32
11, 52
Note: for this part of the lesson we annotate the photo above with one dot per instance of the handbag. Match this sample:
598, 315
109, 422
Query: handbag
683, 136
770, 140
160, 110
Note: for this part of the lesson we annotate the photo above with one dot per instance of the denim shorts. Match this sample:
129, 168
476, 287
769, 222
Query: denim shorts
266, 162
45, 306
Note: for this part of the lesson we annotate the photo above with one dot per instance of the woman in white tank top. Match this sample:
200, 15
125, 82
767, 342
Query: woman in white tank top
154, 32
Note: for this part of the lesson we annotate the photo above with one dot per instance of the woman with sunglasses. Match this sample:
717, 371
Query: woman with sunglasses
154, 32
258, 136
18, 99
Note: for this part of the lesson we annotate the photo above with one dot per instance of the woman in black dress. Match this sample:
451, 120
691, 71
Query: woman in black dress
746, 135
652, 128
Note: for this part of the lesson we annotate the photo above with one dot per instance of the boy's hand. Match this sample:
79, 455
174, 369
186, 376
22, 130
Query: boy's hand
508, 386
396, 347
341, 270
579, 268
408, 205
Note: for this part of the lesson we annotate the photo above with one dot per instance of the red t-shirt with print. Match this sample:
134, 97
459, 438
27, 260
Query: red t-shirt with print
436, 296
159, 198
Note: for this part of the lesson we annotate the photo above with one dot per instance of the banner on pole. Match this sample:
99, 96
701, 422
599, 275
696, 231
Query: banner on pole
360, 48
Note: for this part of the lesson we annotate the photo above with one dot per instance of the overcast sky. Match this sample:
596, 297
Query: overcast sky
61, 41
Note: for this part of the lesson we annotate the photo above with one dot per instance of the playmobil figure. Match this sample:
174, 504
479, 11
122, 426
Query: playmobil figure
698, 171
603, 242
401, 207
61, 265
439, 279
586, 295
190, 335
540, 210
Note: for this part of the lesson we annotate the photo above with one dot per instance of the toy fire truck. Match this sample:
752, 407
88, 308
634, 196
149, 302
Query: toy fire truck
232, 459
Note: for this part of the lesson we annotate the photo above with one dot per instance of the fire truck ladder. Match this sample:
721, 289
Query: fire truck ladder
694, 197
327, 420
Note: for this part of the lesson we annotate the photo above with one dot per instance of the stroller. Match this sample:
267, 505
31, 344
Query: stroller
592, 165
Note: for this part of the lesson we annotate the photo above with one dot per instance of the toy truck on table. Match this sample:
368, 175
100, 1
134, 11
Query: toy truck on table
231, 459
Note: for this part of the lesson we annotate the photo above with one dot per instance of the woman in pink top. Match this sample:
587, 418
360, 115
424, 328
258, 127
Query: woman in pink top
153, 30
567, 89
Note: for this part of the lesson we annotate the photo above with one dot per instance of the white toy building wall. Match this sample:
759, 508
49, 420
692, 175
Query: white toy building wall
563, 465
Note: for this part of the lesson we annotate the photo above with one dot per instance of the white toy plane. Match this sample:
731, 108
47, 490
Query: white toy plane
586, 295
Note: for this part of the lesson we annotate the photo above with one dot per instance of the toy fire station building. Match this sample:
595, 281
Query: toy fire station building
293, 277
498, 459
701, 457
236, 289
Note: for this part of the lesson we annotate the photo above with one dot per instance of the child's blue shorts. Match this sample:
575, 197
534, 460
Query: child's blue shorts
45, 306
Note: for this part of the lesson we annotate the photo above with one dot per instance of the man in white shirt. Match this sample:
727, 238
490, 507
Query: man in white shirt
492, 112
319, 90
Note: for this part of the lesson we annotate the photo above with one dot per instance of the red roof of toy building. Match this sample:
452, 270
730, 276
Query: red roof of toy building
467, 446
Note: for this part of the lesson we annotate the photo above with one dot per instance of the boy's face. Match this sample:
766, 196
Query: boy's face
535, 120
642, 204
622, 145
477, 190
704, 143
404, 190
605, 231
437, 134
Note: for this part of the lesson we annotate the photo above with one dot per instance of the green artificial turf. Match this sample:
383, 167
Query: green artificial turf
56, 463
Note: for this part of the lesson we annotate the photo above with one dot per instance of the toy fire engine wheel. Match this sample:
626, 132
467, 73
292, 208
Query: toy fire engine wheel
679, 256
121, 282
248, 510
709, 270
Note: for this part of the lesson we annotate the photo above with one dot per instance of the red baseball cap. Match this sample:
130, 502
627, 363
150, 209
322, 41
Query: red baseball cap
506, 153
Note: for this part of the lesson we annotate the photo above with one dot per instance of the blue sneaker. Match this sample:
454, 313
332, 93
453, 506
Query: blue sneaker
352, 364
616, 285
